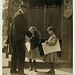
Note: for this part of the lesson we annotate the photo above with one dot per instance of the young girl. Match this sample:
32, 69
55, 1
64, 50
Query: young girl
34, 41
51, 57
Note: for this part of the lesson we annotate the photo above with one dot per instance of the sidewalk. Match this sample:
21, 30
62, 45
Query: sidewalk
41, 71
6, 71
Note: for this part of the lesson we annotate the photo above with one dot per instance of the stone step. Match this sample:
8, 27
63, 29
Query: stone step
40, 64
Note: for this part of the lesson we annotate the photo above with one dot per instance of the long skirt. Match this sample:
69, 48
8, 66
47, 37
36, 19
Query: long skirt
34, 53
51, 57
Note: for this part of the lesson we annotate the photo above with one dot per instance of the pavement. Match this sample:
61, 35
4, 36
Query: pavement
40, 71
6, 71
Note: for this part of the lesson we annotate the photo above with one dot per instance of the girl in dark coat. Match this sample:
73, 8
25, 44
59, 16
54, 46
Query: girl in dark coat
34, 52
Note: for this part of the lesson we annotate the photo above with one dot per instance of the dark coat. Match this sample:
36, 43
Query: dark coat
34, 41
19, 28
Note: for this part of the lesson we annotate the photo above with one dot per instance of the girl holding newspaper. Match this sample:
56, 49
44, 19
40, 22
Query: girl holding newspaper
51, 57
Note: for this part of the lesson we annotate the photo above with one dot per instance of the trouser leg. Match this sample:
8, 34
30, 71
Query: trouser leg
13, 60
21, 58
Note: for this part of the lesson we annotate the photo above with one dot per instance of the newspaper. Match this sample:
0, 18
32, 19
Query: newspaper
27, 46
49, 49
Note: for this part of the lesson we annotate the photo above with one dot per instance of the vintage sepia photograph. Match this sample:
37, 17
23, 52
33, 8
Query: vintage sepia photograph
37, 37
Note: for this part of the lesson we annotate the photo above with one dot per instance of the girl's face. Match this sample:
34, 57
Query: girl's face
50, 32
32, 31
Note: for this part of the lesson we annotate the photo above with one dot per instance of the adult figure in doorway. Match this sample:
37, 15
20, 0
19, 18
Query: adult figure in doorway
19, 30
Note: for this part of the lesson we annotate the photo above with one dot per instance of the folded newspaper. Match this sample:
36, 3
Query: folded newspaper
49, 49
28, 46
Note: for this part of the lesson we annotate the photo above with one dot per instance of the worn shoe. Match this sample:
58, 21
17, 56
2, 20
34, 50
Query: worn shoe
52, 72
14, 72
34, 70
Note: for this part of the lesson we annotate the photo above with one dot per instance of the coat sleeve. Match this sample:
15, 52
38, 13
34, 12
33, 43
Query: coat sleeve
22, 26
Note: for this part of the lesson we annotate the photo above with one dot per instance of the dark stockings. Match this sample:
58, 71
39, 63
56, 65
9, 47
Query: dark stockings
52, 72
30, 65
34, 65
52, 66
